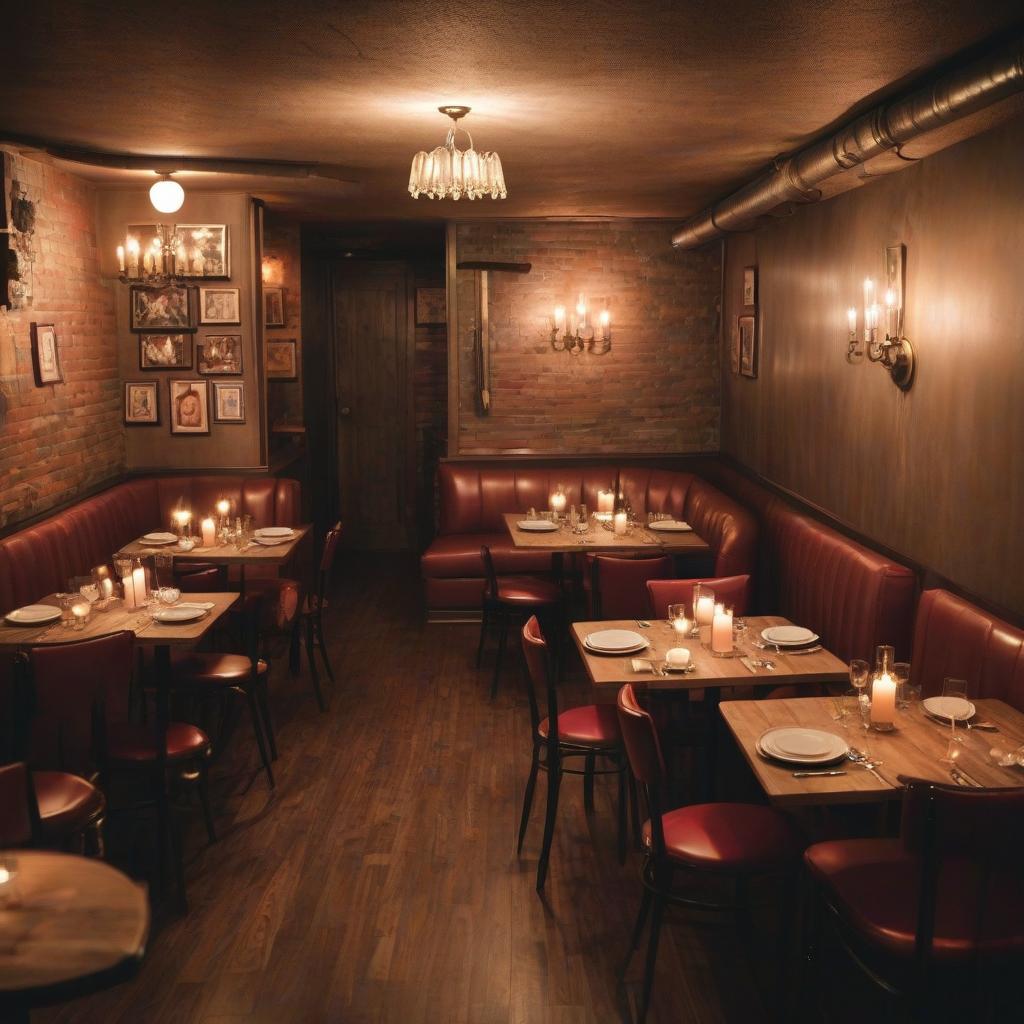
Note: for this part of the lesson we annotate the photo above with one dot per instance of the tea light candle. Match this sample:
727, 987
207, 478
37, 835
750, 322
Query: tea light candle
209, 532
80, 614
677, 657
620, 524
721, 631
557, 503
681, 625
606, 501
883, 702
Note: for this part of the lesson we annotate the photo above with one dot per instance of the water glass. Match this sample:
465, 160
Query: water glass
900, 673
583, 512
65, 601
859, 675
163, 569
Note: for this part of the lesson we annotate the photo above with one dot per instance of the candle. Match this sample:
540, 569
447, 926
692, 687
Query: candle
557, 504
620, 524
129, 591
605, 501
721, 630
139, 586
883, 702
581, 310
106, 588
869, 301
560, 319
80, 614
851, 317
223, 507
891, 314
182, 517
681, 624
120, 258
605, 319
133, 257
209, 532
677, 657
704, 609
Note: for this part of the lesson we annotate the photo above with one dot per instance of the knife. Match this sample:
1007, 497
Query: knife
814, 775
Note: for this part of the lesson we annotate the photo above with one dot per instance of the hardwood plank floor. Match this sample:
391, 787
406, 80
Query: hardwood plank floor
379, 882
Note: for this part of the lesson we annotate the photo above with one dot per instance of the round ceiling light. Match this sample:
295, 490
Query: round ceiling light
167, 195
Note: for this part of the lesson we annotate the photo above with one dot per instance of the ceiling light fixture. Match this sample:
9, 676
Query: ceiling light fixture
167, 195
450, 173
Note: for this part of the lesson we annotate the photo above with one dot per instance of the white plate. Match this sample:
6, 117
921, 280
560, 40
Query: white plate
625, 650
274, 531
614, 640
670, 526
174, 616
949, 708
537, 526
789, 636
160, 538
33, 615
795, 745
270, 542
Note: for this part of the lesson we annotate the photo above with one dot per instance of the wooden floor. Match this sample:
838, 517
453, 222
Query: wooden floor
379, 881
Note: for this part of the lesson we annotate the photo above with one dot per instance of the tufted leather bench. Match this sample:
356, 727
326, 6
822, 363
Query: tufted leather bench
473, 497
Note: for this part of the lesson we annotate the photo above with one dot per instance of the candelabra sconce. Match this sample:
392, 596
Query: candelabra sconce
896, 355
580, 335
156, 263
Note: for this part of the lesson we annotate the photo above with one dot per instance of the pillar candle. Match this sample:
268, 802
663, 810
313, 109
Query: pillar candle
139, 586
120, 258
129, 591
620, 523
605, 501
704, 610
209, 531
558, 502
883, 701
721, 631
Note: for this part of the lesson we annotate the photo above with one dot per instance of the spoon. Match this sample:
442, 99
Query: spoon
859, 757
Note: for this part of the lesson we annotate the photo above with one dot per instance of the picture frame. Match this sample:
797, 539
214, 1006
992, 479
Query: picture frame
747, 339
203, 251
228, 401
141, 403
219, 355
273, 307
219, 306
750, 286
431, 306
161, 309
282, 359
189, 406
165, 351
45, 355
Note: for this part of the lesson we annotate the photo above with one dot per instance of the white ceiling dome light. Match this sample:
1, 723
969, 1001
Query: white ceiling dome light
167, 195
450, 173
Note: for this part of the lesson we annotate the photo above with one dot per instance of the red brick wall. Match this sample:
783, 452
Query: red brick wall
59, 440
656, 391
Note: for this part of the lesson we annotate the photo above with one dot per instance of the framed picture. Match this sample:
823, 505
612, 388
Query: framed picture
161, 309
165, 351
141, 407
747, 331
282, 359
190, 406
219, 306
228, 401
202, 250
749, 286
45, 355
273, 307
431, 307
220, 354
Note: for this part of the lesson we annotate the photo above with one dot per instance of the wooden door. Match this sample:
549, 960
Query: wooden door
373, 339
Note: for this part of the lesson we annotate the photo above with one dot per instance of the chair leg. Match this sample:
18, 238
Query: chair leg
99, 845
634, 808
623, 828
294, 646
485, 621
531, 785
502, 640
322, 644
657, 912
268, 725
254, 715
203, 786
313, 673
554, 784
588, 782
638, 927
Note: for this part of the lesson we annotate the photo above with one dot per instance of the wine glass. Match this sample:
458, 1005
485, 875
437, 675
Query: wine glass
954, 688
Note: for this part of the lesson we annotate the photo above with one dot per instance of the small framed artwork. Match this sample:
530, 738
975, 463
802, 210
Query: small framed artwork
220, 354
228, 401
431, 307
202, 250
219, 306
45, 355
190, 406
141, 407
273, 307
749, 286
282, 359
165, 351
748, 345
161, 309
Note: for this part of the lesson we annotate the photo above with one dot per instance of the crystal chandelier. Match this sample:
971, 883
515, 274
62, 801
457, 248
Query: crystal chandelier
450, 173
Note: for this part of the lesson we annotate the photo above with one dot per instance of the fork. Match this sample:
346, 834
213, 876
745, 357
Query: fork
859, 757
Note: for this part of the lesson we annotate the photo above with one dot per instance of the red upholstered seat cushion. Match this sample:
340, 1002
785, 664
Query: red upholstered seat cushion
875, 886
196, 668
457, 556
282, 598
733, 837
135, 742
593, 725
67, 803
527, 590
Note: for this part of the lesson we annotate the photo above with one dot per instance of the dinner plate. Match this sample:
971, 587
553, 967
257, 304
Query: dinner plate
537, 526
795, 745
33, 615
949, 708
175, 616
274, 531
613, 641
269, 542
789, 636
160, 538
670, 526
624, 650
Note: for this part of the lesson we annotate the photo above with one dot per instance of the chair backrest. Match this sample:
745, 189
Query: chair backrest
618, 587
78, 688
16, 805
206, 580
540, 687
327, 556
490, 576
643, 749
730, 590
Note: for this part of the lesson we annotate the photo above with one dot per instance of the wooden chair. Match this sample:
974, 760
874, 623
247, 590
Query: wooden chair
313, 612
618, 587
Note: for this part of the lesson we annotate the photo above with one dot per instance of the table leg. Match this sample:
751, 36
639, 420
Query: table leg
162, 659
712, 698
558, 568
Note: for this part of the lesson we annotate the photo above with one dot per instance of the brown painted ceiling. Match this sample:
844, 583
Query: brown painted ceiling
598, 108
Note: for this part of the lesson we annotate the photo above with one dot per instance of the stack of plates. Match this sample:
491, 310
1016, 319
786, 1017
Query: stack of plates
789, 636
949, 708
796, 745
157, 539
175, 616
33, 615
268, 536
614, 641
537, 525
670, 526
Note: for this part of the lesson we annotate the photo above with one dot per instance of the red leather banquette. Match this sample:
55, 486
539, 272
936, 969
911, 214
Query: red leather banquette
473, 497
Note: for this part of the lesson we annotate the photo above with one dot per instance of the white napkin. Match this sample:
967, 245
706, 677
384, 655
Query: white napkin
204, 605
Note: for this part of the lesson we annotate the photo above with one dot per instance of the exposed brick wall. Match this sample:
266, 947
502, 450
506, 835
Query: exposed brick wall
59, 440
656, 391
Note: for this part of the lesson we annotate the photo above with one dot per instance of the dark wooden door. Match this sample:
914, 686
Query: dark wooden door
373, 402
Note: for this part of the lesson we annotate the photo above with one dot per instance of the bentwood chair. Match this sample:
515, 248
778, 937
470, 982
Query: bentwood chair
511, 599
618, 586
934, 916
733, 842
730, 590
313, 612
590, 732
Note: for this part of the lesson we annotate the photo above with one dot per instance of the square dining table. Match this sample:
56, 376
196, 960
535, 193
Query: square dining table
598, 540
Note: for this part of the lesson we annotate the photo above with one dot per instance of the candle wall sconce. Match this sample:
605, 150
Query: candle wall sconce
577, 334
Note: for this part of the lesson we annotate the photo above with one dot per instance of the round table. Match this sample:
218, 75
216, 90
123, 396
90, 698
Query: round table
71, 926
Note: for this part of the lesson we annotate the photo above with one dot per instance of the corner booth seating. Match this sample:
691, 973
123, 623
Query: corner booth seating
474, 495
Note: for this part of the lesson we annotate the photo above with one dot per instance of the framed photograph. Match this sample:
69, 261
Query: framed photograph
141, 407
749, 286
202, 250
431, 307
161, 309
273, 307
220, 354
282, 359
45, 355
190, 406
228, 401
165, 351
748, 345
219, 306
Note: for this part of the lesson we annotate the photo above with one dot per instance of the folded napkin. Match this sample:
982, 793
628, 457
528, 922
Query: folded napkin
641, 665
205, 605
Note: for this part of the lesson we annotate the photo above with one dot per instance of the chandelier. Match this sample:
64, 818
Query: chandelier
450, 173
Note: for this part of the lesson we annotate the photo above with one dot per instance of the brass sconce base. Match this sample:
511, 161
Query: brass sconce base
901, 366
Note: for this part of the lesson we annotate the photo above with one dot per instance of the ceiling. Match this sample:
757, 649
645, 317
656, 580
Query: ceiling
602, 108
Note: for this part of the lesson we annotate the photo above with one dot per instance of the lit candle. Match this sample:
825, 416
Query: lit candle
869, 301
677, 657
223, 507
557, 504
620, 523
704, 609
721, 630
147, 261
182, 517
883, 702
209, 532
605, 501
560, 319
581, 310
890, 313
851, 316
681, 625
139, 586
605, 319
133, 256
129, 591
80, 613
120, 258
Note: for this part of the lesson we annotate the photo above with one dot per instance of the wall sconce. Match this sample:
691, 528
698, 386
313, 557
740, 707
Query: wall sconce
579, 334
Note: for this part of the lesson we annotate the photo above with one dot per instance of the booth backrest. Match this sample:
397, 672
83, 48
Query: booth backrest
957, 639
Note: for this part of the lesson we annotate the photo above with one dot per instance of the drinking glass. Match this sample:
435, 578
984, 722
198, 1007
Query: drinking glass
884, 657
65, 601
583, 512
900, 673
163, 569
954, 688
859, 681
676, 611
90, 592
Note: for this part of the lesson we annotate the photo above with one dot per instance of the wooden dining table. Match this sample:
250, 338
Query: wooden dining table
597, 539
912, 749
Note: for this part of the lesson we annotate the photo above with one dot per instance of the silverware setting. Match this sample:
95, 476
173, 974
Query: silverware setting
859, 757
983, 726
814, 775
643, 623
961, 778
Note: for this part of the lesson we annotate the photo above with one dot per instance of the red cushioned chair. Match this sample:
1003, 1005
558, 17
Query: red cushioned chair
735, 841
935, 916
618, 586
313, 611
590, 732
511, 599
730, 590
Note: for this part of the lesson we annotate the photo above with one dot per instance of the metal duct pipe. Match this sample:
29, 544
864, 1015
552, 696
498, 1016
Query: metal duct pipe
794, 179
